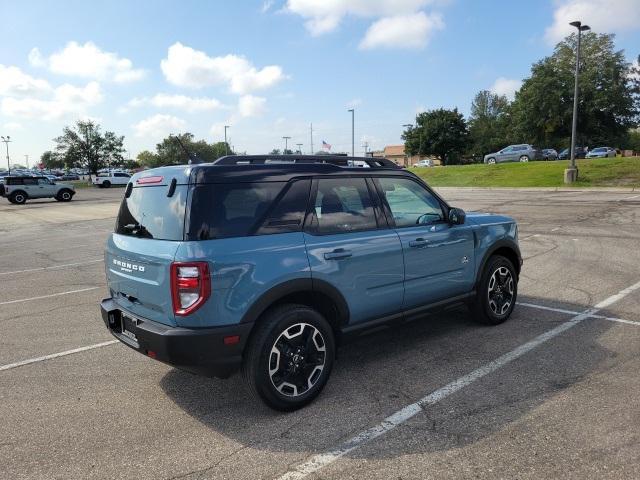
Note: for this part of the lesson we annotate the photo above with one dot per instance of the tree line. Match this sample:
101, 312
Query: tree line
541, 113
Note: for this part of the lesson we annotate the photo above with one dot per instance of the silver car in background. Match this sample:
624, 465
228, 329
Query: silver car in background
514, 153
601, 152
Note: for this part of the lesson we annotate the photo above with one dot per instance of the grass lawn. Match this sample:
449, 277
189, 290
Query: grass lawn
604, 172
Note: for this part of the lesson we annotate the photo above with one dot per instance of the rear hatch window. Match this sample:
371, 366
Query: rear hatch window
149, 213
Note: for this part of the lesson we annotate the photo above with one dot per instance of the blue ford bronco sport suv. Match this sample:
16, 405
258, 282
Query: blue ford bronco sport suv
266, 263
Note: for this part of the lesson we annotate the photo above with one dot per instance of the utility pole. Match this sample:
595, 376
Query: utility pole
7, 141
299, 147
366, 147
27, 160
226, 145
353, 142
286, 143
571, 173
311, 138
409, 126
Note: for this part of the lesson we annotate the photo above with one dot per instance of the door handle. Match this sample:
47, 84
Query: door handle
337, 254
418, 243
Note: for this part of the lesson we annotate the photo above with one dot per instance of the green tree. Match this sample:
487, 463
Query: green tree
84, 145
148, 159
440, 132
170, 152
50, 160
275, 151
488, 123
608, 97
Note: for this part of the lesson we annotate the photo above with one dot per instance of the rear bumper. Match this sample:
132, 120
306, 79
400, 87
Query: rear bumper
202, 351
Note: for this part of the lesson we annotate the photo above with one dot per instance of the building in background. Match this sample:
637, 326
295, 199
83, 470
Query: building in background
396, 154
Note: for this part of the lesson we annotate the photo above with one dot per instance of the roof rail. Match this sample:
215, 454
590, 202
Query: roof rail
339, 160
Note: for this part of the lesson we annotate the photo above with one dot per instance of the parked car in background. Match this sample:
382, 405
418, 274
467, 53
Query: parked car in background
514, 153
427, 162
581, 152
69, 176
549, 154
601, 152
18, 189
106, 179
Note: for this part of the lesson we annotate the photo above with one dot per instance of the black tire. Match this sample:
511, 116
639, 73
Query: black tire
18, 197
106, 184
524, 158
491, 161
64, 195
263, 369
489, 306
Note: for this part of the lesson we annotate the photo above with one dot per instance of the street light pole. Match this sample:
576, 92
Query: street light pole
408, 126
353, 142
7, 141
571, 173
299, 147
27, 159
226, 145
286, 144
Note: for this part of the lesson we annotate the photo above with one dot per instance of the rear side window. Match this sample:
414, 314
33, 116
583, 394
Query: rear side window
149, 213
343, 205
224, 210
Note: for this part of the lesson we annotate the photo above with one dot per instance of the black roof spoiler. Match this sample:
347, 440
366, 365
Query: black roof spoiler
339, 160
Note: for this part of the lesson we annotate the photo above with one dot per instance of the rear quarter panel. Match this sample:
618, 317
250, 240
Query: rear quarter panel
242, 270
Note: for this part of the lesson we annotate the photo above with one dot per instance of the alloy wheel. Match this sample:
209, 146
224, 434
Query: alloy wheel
297, 359
500, 292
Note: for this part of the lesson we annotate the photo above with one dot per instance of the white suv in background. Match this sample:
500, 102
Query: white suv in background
106, 179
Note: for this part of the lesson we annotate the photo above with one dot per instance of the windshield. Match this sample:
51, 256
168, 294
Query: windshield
149, 213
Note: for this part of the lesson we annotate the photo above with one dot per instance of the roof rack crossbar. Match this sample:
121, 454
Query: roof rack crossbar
341, 161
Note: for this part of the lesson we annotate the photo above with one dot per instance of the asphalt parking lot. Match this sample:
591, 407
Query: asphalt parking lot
554, 392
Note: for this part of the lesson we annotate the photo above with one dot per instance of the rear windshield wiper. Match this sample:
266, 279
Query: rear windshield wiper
137, 229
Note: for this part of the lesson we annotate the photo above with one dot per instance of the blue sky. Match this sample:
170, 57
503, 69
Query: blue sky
269, 68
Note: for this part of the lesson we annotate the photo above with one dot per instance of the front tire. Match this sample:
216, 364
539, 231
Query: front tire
106, 184
524, 159
497, 292
491, 161
289, 357
64, 196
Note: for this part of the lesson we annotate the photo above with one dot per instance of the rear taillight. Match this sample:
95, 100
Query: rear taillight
190, 286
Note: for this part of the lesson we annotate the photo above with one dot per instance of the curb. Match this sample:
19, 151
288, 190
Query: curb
548, 189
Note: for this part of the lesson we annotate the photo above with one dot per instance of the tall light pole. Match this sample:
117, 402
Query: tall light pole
286, 144
7, 141
226, 145
299, 147
26, 157
571, 173
408, 126
353, 141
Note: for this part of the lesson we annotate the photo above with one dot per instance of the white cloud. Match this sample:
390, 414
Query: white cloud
251, 106
610, 16
180, 102
187, 67
402, 31
88, 61
266, 5
159, 126
13, 126
506, 86
325, 15
14, 82
353, 103
67, 99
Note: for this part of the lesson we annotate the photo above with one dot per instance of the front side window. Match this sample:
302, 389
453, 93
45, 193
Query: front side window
343, 205
411, 204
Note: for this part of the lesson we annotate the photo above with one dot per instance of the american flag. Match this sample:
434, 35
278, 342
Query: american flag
326, 145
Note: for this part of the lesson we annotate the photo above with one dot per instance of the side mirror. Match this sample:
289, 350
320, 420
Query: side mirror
456, 216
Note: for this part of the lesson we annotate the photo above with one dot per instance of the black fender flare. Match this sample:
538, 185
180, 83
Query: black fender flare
298, 285
507, 243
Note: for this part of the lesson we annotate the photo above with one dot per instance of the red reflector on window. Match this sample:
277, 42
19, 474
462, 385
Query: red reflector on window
152, 179
231, 340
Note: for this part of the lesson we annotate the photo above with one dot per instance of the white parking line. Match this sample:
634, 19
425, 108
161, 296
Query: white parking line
319, 461
53, 267
56, 355
572, 312
49, 296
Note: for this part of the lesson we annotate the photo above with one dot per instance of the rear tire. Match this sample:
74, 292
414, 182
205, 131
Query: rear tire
18, 197
524, 159
289, 357
497, 291
106, 184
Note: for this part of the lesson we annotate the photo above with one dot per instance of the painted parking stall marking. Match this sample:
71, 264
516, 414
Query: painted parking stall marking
49, 296
55, 355
320, 461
